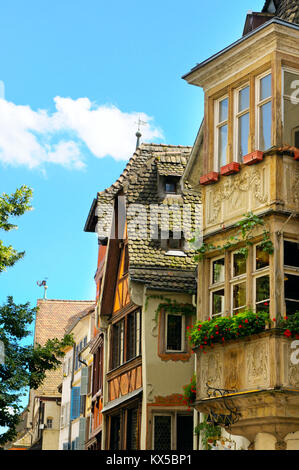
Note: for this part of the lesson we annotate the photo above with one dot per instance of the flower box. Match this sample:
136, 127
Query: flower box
209, 178
253, 157
230, 168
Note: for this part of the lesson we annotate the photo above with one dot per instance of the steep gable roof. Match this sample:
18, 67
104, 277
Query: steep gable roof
287, 10
139, 183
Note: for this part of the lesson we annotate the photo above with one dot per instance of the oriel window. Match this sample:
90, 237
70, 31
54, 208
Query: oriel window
242, 122
264, 111
221, 132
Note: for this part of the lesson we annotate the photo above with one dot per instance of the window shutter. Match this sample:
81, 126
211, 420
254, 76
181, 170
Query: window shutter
82, 433
77, 443
75, 404
84, 381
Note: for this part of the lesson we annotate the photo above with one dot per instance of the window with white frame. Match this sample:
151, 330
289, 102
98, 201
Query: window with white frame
264, 111
291, 276
290, 102
242, 115
217, 277
221, 132
238, 282
175, 332
261, 279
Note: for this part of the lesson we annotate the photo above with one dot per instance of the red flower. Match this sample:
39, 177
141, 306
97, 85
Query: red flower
297, 336
246, 321
201, 346
274, 319
266, 304
217, 332
222, 339
240, 326
287, 333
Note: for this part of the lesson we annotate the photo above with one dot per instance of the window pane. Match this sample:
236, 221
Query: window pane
222, 145
132, 429
170, 187
262, 288
184, 432
218, 302
174, 333
131, 336
265, 87
243, 133
262, 258
239, 264
291, 292
218, 270
291, 254
239, 295
223, 110
162, 439
115, 433
243, 99
265, 126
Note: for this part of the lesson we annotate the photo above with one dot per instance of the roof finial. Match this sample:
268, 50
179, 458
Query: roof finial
44, 285
138, 133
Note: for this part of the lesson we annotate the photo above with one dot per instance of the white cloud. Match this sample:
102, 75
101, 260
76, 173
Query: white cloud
32, 138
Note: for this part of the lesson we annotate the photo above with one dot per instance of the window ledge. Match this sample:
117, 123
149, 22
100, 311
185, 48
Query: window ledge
253, 157
230, 169
209, 178
175, 253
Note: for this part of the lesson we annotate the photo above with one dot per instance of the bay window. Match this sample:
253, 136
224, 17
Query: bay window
221, 132
290, 101
291, 276
217, 287
264, 111
238, 283
241, 122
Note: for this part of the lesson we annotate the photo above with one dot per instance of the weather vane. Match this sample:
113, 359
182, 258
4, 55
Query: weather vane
44, 285
138, 133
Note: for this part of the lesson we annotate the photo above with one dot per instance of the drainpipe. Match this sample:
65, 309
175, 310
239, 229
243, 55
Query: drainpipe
72, 378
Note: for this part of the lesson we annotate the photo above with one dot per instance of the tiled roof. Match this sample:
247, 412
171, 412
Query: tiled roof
148, 262
51, 320
287, 10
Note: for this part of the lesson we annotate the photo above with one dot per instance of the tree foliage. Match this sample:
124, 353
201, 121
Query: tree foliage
12, 205
21, 366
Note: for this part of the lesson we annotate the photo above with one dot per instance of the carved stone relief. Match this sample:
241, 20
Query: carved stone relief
293, 369
233, 192
257, 356
211, 369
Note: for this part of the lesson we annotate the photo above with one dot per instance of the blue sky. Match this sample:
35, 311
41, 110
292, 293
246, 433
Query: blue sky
77, 75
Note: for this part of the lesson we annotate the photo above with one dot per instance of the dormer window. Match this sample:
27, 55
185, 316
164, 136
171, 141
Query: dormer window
171, 184
173, 244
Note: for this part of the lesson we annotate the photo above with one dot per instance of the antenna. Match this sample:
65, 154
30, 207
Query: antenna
138, 133
44, 285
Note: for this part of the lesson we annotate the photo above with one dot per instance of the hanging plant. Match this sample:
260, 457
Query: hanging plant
209, 433
244, 235
189, 395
